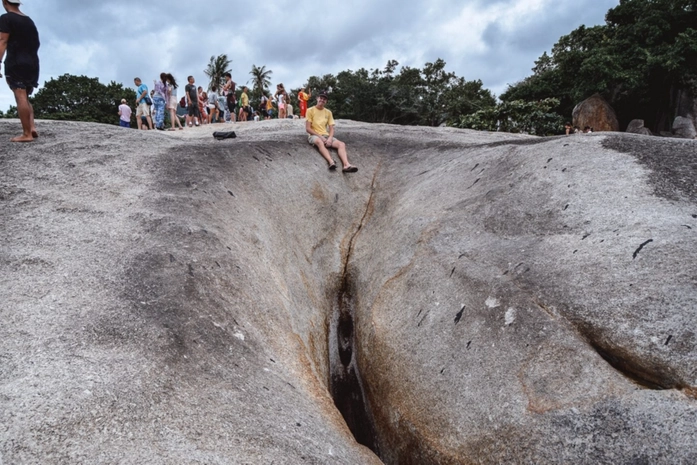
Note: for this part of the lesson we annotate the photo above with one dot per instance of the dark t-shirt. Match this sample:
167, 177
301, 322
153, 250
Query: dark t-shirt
190, 89
22, 59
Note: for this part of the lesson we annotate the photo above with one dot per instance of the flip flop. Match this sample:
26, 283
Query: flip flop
332, 167
350, 169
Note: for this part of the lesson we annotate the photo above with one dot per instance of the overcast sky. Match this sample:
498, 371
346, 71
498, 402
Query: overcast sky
496, 41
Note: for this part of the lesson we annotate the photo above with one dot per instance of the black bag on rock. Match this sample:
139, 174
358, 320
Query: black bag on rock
220, 135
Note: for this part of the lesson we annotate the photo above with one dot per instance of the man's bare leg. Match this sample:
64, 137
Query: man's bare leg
341, 151
26, 116
149, 121
323, 151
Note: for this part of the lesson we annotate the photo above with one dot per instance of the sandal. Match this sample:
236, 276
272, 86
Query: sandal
350, 169
332, 167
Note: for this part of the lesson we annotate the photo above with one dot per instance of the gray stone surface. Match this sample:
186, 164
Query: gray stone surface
684, 127
167, 297
636, 126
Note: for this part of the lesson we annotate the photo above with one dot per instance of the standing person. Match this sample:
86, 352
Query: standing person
202, 104
319, 119
244, 105
20, 38
229, 91
213, 104
269, 108
124, 114
159, 99
142, 107
303, 97
172, 101
282, 98
193, 113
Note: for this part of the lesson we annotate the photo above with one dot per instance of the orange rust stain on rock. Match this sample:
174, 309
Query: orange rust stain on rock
690, 391
318, 192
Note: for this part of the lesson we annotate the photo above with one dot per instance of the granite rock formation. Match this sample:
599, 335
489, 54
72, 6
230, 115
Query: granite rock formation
596, 113
467, 297
636, 126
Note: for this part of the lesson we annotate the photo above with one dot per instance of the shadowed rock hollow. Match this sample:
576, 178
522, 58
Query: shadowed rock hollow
466, 297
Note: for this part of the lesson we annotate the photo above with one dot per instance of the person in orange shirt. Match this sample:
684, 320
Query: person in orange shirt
303, 97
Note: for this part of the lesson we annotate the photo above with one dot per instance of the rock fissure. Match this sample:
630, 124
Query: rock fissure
345, 383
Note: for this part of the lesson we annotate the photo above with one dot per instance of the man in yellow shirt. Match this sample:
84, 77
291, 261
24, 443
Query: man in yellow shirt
320, 129
245, 111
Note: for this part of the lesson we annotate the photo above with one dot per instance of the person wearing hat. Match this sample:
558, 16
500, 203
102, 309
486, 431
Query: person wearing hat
320, 129
125, 114
20, 39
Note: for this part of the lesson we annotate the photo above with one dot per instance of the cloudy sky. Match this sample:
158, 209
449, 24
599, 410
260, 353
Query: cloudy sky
496, 41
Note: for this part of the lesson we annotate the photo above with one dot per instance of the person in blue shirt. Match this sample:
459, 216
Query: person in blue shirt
142, 107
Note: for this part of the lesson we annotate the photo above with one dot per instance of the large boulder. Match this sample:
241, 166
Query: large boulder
466, 297
596, 113
684, 127
636, 126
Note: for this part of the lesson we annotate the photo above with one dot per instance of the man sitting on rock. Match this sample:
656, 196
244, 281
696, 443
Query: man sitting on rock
319, 119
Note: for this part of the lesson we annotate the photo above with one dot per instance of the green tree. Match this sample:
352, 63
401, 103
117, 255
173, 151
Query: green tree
641, 60
261, 80
216, 69
80, 98
431, 96
538, 118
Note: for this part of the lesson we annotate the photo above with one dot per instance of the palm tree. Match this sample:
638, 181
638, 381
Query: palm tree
260, 79
217, 67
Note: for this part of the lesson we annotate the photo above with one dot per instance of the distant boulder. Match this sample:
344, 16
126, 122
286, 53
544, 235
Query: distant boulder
636, 126
684, 127
596, 113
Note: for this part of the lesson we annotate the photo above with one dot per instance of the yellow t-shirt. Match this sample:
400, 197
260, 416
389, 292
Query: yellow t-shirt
319, 120
244, 99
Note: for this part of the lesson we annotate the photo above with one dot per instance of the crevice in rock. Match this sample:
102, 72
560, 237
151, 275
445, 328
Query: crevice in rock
345, 383
630, 368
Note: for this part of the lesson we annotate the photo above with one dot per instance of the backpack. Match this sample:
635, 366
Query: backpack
182, 102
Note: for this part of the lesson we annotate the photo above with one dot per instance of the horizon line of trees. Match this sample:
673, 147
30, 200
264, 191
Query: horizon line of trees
643, 61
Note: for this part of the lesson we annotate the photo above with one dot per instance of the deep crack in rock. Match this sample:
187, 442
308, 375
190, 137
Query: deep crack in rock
346, 385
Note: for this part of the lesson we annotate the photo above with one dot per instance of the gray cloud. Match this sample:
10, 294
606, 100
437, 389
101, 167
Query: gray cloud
496, 41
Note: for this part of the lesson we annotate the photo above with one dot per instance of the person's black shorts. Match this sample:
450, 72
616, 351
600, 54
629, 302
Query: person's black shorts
17, 84
193, 110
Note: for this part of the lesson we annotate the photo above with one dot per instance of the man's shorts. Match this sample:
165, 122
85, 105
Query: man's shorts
143, 109
311, 138
17, 84
125, 124
193, 110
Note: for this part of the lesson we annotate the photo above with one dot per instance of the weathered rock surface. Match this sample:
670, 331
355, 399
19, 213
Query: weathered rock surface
167, 298
636, 126
684, 127
596, 113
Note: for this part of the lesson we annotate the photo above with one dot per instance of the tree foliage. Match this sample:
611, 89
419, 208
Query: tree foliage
80, 98
536, 117
640, 60
430, 96
261, 80
216, 69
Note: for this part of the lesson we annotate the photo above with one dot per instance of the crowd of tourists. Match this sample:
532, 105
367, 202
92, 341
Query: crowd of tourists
219, 104
20, 39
